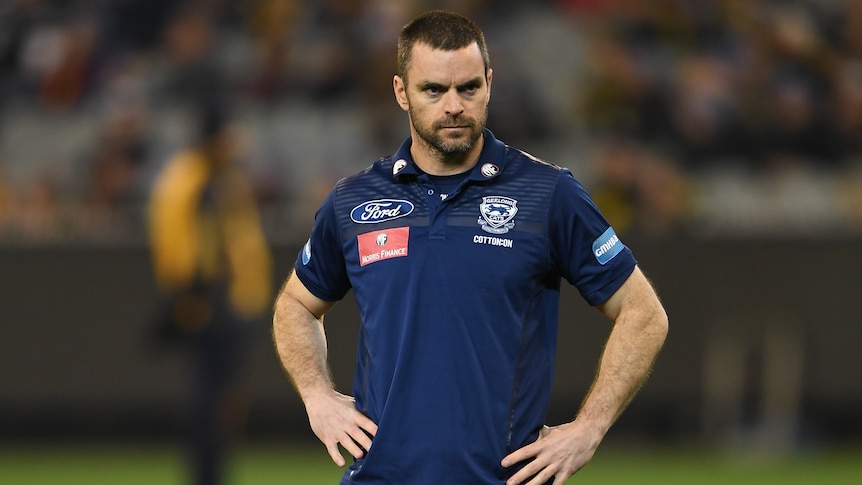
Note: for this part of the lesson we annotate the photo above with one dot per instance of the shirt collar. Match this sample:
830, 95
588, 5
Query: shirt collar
490, 165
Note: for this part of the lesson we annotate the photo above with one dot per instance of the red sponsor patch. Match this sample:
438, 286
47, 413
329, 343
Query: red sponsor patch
379, 245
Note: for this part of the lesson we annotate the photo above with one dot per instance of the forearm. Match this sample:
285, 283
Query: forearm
640, 326
301, 344
628, 357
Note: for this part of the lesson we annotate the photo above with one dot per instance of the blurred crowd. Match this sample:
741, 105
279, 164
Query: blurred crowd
687, 118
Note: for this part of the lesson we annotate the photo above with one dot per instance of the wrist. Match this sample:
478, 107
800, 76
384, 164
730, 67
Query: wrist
595, 427
313, 394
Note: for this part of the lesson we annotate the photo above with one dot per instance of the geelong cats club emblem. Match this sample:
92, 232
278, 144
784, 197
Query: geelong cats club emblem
497, 214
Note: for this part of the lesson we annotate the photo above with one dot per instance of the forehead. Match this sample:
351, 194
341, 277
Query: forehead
430, 64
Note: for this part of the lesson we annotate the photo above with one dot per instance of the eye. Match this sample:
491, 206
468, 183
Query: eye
469, 88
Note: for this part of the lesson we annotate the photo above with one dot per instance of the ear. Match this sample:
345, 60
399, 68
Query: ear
400, 92
490, 78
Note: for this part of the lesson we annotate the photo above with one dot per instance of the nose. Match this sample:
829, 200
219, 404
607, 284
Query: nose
453, 103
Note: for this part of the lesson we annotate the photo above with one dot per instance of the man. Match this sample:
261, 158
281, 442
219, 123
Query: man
454, 248
213, 266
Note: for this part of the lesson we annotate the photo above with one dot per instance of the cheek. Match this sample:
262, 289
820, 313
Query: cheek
420, 113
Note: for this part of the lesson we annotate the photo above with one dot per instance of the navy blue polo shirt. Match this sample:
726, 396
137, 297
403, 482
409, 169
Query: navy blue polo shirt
458, 299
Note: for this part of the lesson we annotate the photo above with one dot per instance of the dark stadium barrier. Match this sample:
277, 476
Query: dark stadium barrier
765, 329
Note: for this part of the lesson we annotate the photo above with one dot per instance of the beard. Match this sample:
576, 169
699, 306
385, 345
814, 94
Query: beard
449, 145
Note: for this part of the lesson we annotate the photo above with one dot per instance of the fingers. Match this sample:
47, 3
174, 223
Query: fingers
354, 441
338, 424
520, 455
362, 435
366, 424
528, 452
350, 440
335, 453
539, 472
555, 455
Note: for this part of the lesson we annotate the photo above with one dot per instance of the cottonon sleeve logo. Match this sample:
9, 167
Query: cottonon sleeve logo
381, 245
380, 210
497, 214
606, 246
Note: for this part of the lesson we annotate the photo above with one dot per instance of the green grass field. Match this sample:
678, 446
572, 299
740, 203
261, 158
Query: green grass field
287, 465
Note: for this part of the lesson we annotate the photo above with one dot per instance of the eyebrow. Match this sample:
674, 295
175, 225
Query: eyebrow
475, 82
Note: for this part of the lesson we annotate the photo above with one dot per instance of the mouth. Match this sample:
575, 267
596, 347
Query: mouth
454, 132
454, 123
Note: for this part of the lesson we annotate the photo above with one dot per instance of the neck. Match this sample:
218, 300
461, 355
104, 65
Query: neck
435, 162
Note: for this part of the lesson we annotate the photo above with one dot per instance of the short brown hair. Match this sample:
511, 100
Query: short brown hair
441, 30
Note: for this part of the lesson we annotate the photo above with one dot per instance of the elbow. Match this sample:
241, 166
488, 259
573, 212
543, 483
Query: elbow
659, 325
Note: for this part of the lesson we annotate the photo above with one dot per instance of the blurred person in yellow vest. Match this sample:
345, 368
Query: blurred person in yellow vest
213, 266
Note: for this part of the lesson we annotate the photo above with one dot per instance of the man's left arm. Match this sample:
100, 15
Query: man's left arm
640, 326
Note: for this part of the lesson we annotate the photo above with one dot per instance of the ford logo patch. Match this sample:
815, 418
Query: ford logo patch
380, 210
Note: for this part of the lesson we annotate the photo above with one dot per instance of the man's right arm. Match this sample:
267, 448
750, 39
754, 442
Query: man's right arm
301, 344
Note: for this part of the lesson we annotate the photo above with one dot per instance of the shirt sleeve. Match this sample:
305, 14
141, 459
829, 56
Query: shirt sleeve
584, 246
320, 264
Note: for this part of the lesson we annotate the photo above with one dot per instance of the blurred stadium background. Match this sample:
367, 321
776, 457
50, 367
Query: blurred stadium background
723, 138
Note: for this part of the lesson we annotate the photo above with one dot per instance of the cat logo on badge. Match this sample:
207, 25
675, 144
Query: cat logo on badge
489, 170
497, 214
